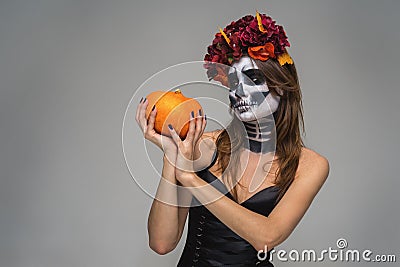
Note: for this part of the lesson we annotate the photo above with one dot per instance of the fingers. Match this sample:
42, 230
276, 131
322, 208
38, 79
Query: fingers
200, 125
192, 128
138, 109
197, 126
175, 137
140, 114
152, 119
204, 124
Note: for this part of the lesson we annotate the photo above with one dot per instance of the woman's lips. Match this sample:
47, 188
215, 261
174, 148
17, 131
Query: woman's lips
244, 105
243, 108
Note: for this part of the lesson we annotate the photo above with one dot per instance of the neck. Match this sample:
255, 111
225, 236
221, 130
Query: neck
260, 135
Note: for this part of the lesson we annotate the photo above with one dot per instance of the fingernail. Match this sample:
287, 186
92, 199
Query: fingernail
141, 100
200, 112
205, 116
192, 114
153, 107
170, 126
144, 100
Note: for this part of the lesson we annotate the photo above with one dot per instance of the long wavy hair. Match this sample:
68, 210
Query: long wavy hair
281, 80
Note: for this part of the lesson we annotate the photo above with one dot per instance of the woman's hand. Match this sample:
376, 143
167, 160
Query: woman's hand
186, 148
165, 143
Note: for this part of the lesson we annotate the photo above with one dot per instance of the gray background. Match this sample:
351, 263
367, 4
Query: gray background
68, 70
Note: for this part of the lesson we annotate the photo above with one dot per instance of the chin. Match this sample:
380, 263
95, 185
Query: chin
250, 115
245, 116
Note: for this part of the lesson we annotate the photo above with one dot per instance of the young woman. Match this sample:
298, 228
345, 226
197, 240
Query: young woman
245, 187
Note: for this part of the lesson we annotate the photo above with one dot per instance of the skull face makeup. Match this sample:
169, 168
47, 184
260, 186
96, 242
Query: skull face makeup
253, 104
249, 94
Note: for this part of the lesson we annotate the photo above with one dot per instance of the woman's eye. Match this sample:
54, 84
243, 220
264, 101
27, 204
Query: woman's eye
255, 76
258, 80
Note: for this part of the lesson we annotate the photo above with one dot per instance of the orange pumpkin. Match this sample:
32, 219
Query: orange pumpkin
172, 108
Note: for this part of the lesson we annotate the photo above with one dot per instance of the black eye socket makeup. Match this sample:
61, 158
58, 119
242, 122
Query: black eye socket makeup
255, 76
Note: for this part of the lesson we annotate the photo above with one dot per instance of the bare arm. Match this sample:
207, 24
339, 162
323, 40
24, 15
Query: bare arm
169, 209
168, 212
164, 218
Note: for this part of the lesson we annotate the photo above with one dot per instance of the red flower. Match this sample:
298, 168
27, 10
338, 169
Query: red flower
245, 36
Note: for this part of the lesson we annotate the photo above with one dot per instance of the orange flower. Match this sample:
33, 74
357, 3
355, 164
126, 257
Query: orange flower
259, 22
262, 52
224, 35
285, 59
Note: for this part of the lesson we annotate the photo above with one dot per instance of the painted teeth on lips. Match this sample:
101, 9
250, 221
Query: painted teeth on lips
243, 108
244, 103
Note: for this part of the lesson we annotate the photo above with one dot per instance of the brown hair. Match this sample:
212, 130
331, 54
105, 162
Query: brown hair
281, 80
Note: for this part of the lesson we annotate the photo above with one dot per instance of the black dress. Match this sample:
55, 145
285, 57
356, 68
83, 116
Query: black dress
209, 242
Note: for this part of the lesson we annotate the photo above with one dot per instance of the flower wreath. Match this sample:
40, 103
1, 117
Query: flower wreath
258, 36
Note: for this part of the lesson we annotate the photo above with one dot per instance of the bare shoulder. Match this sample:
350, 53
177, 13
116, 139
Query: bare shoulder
311, 174
312, 164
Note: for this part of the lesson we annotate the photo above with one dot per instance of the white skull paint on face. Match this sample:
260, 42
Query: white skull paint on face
249, 94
